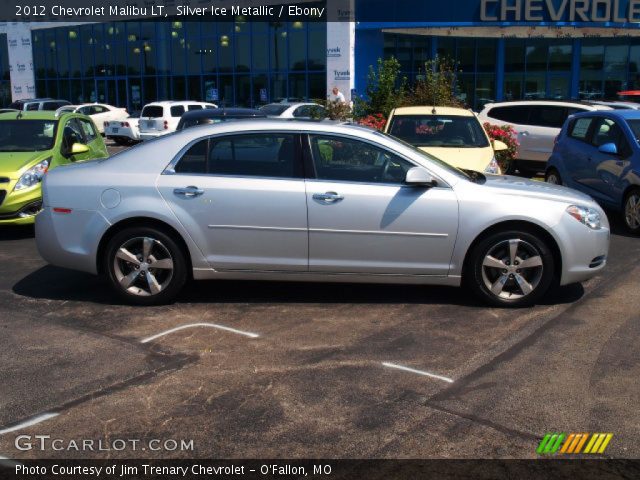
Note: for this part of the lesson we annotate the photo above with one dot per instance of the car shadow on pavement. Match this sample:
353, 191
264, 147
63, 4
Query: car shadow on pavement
68, 285
16, 232
617, 225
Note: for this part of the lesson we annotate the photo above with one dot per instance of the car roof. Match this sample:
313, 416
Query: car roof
176, 102
431, 110
223, 112
567, 103
291, 104
32, 115
628, 114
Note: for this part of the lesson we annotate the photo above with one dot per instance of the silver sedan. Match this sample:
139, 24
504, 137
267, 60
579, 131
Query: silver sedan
277, 200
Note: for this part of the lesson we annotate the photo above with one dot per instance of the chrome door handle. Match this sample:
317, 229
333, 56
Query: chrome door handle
188, 192
328, 197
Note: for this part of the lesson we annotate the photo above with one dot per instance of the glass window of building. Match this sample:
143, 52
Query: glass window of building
243, 52
278, 46
560, 57
298, 46
536, 54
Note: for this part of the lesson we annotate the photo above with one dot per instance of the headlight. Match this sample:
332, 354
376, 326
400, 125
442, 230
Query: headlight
586, 215
33, 176
493, 167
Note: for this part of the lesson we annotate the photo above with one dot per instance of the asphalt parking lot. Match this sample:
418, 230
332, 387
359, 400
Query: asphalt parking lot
288, 370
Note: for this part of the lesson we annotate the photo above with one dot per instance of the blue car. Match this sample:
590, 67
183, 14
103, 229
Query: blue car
598, 153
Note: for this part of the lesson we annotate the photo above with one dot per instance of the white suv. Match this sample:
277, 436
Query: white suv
160, 118
537, 123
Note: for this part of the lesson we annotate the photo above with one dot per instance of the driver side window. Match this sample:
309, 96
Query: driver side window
72, 134
346, 159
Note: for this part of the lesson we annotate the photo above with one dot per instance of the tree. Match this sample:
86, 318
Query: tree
385, 90
438, 85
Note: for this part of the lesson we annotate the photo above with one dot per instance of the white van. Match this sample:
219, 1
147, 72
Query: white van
160, 118
537, 123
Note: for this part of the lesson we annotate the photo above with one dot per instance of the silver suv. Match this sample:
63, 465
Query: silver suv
34, 104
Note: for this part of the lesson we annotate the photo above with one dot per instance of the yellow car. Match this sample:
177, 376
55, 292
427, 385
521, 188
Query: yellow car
454, 135
31, 143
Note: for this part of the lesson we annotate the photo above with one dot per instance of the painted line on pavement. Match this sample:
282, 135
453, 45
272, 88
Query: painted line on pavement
196, 325
419, 372
29, 423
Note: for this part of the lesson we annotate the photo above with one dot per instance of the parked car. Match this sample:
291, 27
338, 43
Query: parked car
124, 132
33, 143
101, 113
598, 153
454, 135
160, 118
616, 104
537, 124
217, 115
303, 110
333, 202
31, 104
8, 110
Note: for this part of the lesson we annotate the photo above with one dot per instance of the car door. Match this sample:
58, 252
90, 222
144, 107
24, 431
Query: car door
93, 139
364, 220
605, 169
576, 149
73, 133
544, 124
242, 199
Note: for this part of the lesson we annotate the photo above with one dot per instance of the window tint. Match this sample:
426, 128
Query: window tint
194, 107
153, 111
32, 106
635, 128
259, 155
512, 114
579, 128
88, 130
72, 134
177, 111
339, 158
195, 160
548, 116
452, 131
304, 111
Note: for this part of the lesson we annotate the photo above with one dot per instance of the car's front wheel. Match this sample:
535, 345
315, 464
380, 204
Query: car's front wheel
145, 266
510, 268
632, 211
553, 176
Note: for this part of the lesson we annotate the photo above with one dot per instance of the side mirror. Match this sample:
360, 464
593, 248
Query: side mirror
499, 146
78, 148
608, 148
419, 177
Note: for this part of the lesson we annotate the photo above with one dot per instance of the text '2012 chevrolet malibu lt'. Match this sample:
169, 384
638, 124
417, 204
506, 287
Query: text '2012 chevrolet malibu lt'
315, 201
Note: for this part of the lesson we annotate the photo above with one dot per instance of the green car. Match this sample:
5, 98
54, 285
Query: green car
31, 143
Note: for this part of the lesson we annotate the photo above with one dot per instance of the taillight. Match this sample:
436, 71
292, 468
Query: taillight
106, 124
166, 125
62, 210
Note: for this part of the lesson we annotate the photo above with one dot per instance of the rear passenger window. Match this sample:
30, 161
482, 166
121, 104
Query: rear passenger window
513, 114
579, 128
255, 155
194, 107
33, 106
548, 116
177, 111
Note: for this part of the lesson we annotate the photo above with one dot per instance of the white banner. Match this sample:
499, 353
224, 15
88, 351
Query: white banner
341, 38
23, 84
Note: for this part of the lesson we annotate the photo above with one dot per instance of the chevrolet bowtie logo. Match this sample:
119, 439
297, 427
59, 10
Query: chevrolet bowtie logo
574, 443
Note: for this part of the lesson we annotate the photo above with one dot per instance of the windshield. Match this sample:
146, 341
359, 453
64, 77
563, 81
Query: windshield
274, 109
450, 168
153, 111
451, 131
635, 128
27, 135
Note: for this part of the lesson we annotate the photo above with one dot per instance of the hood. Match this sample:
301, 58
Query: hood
466, 158
522, 187
13, 163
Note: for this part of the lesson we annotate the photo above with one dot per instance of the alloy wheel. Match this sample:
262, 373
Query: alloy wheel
632, 211
512, 269
143, 266
553, 178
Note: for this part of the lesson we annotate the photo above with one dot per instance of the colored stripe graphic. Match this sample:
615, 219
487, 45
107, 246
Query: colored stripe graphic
572, 443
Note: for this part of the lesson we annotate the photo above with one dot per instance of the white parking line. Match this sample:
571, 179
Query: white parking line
194, 325
419, 372
30, 422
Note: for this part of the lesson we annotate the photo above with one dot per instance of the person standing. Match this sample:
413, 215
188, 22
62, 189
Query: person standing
336, 96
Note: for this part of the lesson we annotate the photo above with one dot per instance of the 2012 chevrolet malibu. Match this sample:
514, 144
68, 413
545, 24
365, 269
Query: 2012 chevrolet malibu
277, 200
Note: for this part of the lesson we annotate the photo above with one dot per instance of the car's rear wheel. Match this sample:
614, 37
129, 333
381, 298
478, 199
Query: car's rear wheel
510, 268
631, 214
145, 266
553, 176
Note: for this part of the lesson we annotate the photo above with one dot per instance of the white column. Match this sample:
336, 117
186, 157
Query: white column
23, 82
341, 39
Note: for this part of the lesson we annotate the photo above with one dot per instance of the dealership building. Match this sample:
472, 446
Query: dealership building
505, 50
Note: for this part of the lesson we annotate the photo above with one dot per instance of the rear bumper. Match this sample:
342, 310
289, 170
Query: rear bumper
151, 135
70, 240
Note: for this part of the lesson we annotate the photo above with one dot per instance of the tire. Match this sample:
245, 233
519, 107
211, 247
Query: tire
492, 263
123, 142
631, 211
131, 272
511, 168
553, 176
